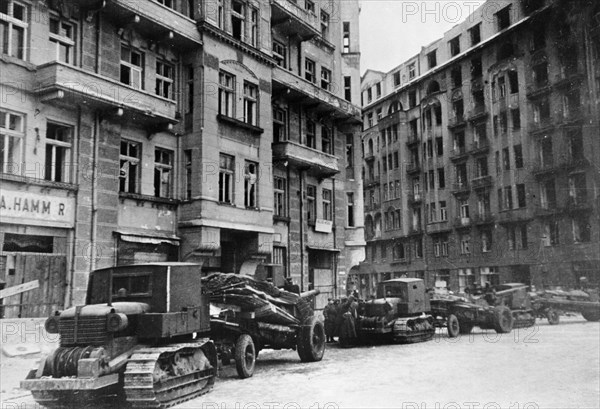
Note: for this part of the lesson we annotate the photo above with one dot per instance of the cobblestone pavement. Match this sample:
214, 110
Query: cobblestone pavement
540, 367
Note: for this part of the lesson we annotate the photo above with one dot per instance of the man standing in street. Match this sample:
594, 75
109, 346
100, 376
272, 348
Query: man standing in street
330, 314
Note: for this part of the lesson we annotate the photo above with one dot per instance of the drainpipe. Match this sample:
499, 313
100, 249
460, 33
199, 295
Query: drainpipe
94, 204
301, 194
334, 230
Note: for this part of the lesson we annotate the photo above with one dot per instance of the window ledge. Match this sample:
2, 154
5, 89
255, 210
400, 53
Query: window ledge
38, 182
17, 61
148, 198
284, 219
241, 124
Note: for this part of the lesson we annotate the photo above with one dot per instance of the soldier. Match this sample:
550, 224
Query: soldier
348, 328
290, 286
330, 314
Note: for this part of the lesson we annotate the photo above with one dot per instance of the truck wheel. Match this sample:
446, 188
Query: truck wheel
311, 340
245, 356
453, 326
503, 320
553, 317
591, 315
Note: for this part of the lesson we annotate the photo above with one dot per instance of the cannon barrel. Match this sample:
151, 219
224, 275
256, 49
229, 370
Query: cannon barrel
310, 293
510, 290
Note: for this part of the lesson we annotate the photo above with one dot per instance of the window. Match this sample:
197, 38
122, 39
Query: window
399, 253
378, 90
348, 88
62, 39
13, 28
220, 14
464, 209
379, 114
432, 213
327, 208
279, 191
454, 45
481, 166
325, 79
486, 241
279, 258
250, 103
515, 114
129, 162
581, 229
465, 244
238, 18
12, 132
412, 98
541, 111
163, 173
418, 248
521, 197
226, 172
250, 184
164, 79
350, 209
58, 153
432, 59
397, 79
190, 89
279, 125
577, 189
508, 199
548, 194
280, 53
412, 71
311, 130
253, 27
456, 75
518, 150
396, 160
475, 34
226, 94
503, 18
311, 203
167, 3
309, 6
309, 70
513, 82
550, 237
443, 211
346, 37
538, 37
540, 74
326, 142
476, 68
506, 159
502, 87
324, 24
132, 67
187, 157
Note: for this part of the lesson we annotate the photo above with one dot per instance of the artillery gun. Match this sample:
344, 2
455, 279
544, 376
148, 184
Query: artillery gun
551, 303
400, 313
143, 336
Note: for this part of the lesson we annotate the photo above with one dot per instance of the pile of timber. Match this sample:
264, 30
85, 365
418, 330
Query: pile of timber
260, 300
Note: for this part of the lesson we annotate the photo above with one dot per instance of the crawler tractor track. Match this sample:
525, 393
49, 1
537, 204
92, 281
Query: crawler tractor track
160, 377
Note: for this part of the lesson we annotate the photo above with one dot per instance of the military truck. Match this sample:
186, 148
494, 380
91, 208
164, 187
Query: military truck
143, 337
399, 313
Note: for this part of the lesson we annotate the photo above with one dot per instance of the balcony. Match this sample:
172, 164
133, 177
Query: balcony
462, 223
565, 164
461, 188
155, 21
458, 153
569, 79
317, 163
541, 125
415, 230
369, 157
413, 167
478, 112
294, 88
483, 218
538, 89
372, 181
394, 118
514, 216
482, 182
412, 139
414, 198
548, 210
294, 20
456, 121
480, 146
578, 204
58, 81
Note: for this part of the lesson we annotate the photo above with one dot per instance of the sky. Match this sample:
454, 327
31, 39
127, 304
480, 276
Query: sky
392, 31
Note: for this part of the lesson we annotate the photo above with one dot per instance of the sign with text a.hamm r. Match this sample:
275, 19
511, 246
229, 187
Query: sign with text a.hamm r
36, 208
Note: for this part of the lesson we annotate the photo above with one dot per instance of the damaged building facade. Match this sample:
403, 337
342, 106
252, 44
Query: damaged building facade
222, 133
479, 152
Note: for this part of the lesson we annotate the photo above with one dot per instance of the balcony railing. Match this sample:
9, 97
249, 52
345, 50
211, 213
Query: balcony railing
156, 21
541, 125
568, 78
462, 222
483, 218
412, 139
59, 81
290, 85
413, 167
482, 182
456, 121
480, 146
458, 153
477, 112
315, 162
461, 187
294, 20
538, 88
414, 198
559, 165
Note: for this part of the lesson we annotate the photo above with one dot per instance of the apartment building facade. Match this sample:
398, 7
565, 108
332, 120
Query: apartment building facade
479, 151
143, 131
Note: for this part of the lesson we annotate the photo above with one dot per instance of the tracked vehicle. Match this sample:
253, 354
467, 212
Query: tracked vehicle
142, 337
400, 313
